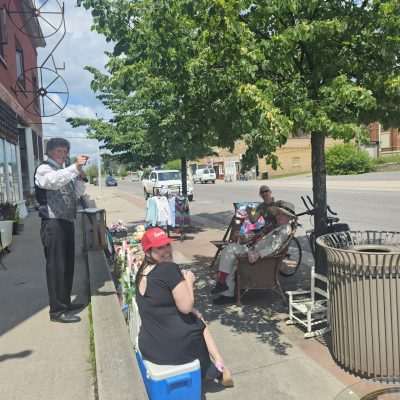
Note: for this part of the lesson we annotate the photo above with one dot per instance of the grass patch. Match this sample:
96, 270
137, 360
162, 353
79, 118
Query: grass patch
92, 354
289, 175
394, 158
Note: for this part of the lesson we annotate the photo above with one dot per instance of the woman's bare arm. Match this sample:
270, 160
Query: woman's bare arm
183, 293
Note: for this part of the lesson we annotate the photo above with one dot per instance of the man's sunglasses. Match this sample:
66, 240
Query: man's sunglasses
266, 191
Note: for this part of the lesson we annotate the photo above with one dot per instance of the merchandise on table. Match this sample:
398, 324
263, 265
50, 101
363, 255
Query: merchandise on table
182, 214
118, 229
129, 257
159, 212
167, 211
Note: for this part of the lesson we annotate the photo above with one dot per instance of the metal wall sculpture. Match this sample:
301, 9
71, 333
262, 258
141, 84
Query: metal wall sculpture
47, 89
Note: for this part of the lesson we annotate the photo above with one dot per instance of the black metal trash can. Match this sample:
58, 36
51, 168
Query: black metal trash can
364, 290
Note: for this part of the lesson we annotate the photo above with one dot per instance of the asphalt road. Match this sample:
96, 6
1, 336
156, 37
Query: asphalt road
369, 201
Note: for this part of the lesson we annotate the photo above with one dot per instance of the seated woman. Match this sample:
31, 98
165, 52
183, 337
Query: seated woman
172, 331
254, 243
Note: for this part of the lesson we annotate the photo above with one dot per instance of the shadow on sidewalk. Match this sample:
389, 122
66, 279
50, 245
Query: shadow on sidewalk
23, 288
218, 220
261, 311
21, 354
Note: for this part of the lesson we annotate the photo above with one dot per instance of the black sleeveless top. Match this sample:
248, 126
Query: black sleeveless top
168, 337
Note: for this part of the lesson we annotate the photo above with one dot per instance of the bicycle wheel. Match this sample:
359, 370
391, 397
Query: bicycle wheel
292, 261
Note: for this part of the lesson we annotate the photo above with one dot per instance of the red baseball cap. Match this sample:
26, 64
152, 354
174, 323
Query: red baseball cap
154, 237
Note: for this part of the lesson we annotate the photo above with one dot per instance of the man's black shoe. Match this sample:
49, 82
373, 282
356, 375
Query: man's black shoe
219, 288
76, 307
223, 300
64, 318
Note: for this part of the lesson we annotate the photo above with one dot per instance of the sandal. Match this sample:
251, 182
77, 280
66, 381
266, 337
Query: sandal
226, 378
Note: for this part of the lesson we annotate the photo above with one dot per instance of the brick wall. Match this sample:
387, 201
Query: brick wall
374, 132
8, 71
395, 139
390, 138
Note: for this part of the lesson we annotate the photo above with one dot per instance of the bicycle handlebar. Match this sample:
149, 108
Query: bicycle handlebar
304, 202
311, 210
330, 211
310, 201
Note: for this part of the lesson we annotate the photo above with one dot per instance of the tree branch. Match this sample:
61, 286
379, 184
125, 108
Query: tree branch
261, 34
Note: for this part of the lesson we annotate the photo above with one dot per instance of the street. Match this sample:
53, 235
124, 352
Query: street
369, 201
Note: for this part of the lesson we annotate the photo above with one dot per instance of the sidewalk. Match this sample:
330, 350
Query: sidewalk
39, 359
269, 360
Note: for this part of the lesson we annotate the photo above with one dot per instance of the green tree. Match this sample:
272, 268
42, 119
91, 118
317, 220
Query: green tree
122, 171
173, 164
91, 171
179, 80
330, 67
347, 159
185, 76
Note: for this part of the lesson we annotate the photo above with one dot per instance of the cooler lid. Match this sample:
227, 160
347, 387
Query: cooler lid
160, 372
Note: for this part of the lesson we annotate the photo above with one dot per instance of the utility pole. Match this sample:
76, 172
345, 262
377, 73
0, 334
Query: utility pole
379, 139
99, 166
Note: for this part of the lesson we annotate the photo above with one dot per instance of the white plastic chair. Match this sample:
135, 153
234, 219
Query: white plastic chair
306, 310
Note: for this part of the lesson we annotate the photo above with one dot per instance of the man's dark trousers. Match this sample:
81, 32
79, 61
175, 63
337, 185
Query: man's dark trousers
58, 238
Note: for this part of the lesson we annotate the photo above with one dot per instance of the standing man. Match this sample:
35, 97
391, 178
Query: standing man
58, 189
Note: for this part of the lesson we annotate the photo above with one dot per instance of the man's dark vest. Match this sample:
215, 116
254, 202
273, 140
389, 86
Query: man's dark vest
56, 204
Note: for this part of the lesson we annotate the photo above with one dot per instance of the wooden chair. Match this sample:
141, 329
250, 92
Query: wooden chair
308, 311
263, 274
228, 237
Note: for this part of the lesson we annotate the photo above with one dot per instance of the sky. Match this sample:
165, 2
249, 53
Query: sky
80, 48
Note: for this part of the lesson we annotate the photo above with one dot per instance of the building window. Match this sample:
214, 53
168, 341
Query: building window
3, 31
35, 147
20, 65
3, 186
40, 145
35, 93
12, 172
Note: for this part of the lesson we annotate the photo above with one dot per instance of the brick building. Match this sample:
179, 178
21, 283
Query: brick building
21, 146
388, 139
294, 158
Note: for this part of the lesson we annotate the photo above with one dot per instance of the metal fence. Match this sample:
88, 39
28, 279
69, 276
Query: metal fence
364, 286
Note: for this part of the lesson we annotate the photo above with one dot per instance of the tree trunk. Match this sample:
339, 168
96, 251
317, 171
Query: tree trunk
319, 195
184, 176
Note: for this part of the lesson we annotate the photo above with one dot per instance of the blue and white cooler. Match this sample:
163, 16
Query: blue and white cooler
171, 382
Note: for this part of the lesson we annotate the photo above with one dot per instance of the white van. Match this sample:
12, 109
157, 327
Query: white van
205, 175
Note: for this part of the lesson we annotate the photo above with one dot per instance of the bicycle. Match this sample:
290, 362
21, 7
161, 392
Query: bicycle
292, 262
333, 222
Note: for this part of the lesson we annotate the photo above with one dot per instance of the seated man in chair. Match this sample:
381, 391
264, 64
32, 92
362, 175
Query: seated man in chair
256, 240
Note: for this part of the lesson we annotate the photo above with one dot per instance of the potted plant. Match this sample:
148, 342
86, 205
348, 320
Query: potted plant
7, 217
18, 226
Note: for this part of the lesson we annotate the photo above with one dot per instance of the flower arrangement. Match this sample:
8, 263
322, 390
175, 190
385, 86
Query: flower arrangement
8, 212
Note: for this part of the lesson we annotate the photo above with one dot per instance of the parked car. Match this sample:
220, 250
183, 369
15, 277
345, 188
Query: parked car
204, 175
168, 179
111, 181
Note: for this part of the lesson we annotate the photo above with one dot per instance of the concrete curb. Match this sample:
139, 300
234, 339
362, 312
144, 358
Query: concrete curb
118, 376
